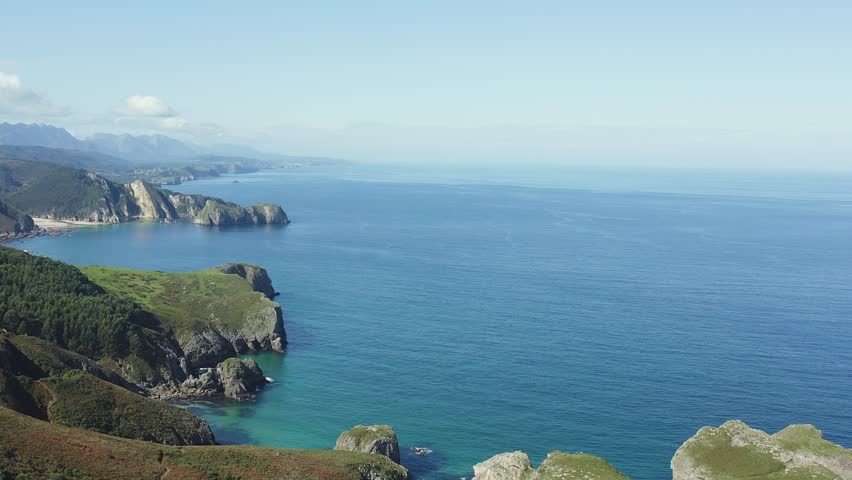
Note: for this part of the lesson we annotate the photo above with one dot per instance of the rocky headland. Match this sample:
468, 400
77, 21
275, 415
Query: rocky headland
60, 193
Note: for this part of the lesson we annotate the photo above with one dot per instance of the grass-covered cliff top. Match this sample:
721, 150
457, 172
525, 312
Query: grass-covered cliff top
560, 465
363, 434
736, 451
37, 448
183, 301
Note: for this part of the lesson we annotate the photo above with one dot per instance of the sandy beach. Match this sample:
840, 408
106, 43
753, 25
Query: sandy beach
51, 224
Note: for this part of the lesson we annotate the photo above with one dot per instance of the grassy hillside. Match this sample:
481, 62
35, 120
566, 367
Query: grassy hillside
42, 380
183, 301
84, 401
86, 160
55, 301
30, 446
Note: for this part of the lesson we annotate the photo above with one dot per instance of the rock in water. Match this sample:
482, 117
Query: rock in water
239, 378
557, 466
378, 439
737, 451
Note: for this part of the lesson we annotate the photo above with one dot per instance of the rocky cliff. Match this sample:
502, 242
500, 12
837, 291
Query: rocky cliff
737, 451
376, 439
13, 221
150, 202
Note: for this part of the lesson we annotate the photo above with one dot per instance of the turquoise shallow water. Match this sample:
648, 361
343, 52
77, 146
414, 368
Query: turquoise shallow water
608, 312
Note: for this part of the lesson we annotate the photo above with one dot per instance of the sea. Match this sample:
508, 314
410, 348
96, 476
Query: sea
484, 310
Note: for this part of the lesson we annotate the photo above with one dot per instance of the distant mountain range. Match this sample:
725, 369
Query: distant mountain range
142, 150
38, 135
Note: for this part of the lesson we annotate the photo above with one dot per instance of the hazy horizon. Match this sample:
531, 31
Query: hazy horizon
761, 85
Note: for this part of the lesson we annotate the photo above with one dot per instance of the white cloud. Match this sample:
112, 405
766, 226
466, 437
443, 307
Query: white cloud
148, 106
20, 100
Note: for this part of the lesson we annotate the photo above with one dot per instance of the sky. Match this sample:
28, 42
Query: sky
741, 83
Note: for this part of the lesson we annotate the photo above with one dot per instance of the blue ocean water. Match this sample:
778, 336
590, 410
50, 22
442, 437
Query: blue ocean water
610, 312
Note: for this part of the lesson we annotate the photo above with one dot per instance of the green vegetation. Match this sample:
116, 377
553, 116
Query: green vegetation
30, 445
183, 301
55, 301
45, 359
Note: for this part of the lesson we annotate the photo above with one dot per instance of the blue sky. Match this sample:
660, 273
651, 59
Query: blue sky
760, 82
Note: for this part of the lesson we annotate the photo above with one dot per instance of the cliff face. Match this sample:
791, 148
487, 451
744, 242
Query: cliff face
14, 221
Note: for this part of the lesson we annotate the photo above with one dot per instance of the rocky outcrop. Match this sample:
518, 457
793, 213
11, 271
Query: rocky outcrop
233, 378
557, 466
737, 451
376, 439
256, 276
240, 378
505, 466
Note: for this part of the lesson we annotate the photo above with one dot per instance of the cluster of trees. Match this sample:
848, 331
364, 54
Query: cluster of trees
57, 302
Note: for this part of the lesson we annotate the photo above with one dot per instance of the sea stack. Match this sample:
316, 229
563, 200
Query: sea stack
376, 439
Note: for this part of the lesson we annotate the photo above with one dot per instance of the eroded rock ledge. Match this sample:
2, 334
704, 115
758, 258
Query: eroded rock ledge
557, 466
